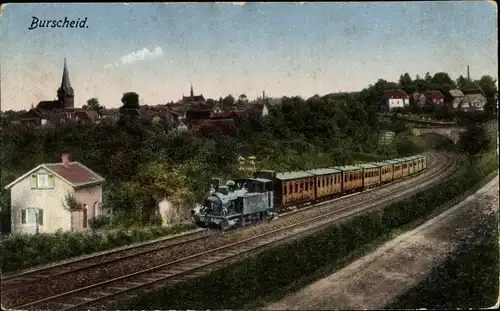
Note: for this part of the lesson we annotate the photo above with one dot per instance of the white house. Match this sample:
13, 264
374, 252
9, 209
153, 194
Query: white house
473, 102
397, 99
38, 198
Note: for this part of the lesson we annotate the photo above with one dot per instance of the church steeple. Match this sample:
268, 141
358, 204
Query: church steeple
65, 93
192, 93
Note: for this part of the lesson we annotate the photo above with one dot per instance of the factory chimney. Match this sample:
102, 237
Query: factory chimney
468, 73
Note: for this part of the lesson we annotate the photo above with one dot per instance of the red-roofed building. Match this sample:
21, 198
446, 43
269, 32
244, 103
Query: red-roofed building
436, 97
397, 99
38, 197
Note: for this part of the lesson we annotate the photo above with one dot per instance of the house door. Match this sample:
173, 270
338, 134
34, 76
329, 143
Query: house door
79, 220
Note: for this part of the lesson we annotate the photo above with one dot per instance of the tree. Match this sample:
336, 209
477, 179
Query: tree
488, 85
405, 80
442, 78
428, 77
461, 82
228, 101
130, 100
475, 139
93, 104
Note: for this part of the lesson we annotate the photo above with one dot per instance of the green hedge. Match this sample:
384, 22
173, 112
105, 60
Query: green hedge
23, 251
275, 272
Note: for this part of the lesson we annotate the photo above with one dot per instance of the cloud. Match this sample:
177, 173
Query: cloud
134, 57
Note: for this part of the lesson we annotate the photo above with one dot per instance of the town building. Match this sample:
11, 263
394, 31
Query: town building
457, 97
435, 97
39, 198
396, 99
473, 102
60, 110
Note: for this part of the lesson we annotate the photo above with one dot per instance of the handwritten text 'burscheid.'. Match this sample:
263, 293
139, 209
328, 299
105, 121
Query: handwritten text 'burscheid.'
62, 23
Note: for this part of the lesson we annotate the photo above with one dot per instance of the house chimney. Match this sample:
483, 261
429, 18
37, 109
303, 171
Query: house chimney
468, 73
65, 160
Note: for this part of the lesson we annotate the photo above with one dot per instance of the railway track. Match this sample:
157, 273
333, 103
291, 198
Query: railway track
14, 282
174, 271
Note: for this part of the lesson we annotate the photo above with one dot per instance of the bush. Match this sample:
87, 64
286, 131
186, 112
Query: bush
98, 222
276, 271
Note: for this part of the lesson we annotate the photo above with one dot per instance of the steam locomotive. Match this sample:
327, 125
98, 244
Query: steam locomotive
252, 200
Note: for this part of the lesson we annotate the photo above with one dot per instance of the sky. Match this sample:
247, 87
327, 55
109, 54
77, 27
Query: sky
284, 49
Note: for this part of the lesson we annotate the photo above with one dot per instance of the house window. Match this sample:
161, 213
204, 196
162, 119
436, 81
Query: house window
42, 181
29, 216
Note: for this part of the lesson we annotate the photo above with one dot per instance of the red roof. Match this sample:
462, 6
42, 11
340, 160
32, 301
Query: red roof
434, 95
397, 94
75, 173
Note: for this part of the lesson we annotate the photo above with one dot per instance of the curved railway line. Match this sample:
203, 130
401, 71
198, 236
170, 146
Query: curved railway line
104, 279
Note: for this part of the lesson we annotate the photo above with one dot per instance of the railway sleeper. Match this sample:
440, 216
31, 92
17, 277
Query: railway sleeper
207, 260
162, 274
176, 271
190, 266
118, 288
147, 279
62, 304
232, 253
133, 284
83, 298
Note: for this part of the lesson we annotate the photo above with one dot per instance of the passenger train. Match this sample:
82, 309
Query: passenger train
246, 201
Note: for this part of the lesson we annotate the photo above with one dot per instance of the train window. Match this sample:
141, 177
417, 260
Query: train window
301, 185
284, 189
322, 182
290, 188
319, 183
312, 184
296, 187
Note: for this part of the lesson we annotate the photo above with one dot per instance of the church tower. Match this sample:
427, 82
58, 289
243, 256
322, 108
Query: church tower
65, 93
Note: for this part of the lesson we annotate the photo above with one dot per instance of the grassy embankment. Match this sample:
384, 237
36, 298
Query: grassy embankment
258, 280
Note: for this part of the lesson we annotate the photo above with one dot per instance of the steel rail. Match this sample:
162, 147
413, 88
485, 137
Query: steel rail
18, 281
155, 274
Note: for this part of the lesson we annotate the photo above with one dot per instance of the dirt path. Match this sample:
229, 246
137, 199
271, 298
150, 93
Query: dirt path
374, 280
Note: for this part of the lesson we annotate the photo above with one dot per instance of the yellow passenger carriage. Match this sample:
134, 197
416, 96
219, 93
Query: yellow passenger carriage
328, 182
386, 173
371, 175
405, 166
352, 177
396, 169
294, 188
